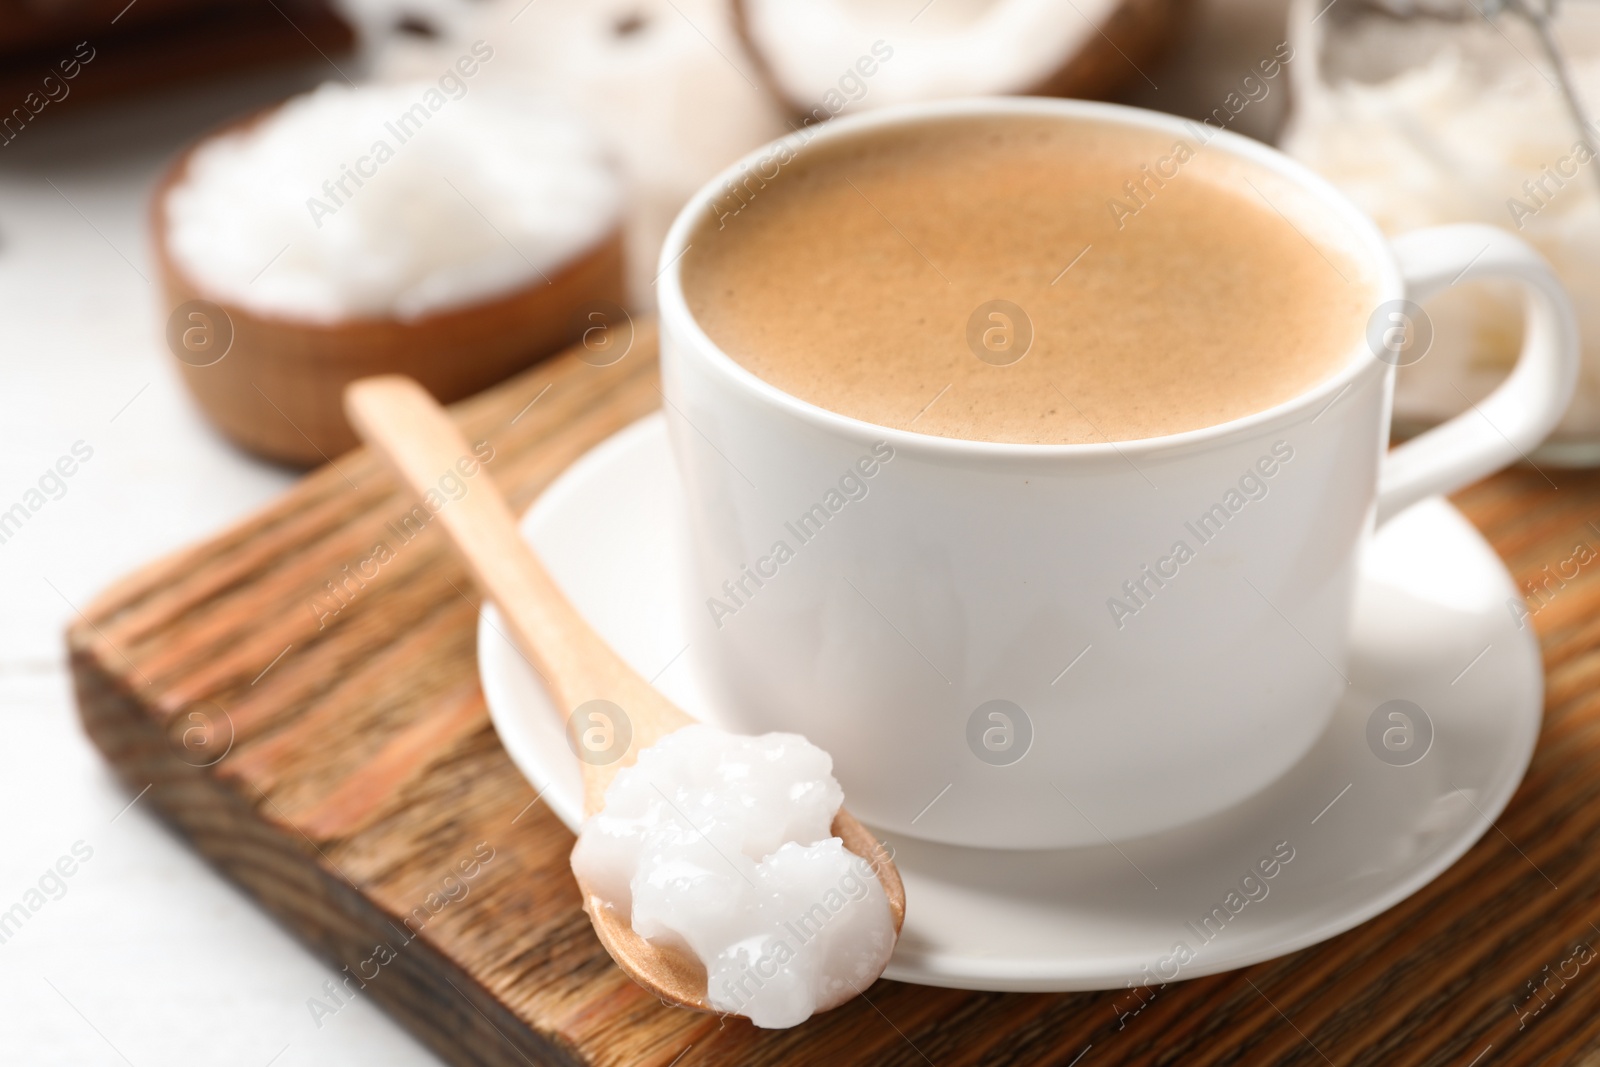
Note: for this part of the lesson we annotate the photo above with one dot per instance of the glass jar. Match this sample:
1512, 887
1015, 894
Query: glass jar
1437, 112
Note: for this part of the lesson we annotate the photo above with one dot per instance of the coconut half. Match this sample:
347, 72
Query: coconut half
824, 57
666, 84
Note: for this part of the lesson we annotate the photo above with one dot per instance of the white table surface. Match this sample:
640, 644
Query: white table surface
149, 957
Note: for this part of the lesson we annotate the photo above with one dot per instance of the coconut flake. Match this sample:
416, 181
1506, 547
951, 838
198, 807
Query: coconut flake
389, 201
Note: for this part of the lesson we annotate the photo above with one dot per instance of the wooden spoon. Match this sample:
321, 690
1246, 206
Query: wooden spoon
398, 418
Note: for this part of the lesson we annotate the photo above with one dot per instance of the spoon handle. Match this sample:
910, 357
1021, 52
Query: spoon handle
403, 423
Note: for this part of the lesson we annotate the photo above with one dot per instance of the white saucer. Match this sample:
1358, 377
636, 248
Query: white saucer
1432, 627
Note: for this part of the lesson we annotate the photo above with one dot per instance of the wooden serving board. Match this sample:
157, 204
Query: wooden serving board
332, 754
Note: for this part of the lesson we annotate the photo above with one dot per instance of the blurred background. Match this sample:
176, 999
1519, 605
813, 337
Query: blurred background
114, 298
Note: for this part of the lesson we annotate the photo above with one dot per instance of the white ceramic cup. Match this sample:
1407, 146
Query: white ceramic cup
945, 624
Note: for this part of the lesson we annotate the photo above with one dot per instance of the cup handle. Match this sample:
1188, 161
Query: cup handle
1518, 415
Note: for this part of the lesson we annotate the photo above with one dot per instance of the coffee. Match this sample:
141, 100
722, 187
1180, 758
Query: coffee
1023, 279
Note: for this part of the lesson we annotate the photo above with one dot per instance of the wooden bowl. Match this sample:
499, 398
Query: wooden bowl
277, 389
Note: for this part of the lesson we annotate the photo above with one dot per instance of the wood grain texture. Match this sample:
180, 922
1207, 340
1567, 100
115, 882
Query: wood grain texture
362, 781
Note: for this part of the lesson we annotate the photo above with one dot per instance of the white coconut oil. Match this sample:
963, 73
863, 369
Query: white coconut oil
720, 845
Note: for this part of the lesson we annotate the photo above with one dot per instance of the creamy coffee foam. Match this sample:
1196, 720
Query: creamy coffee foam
1168, 285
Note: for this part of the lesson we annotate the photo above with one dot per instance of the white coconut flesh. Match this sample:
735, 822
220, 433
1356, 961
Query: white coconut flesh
666, 84
814, 49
